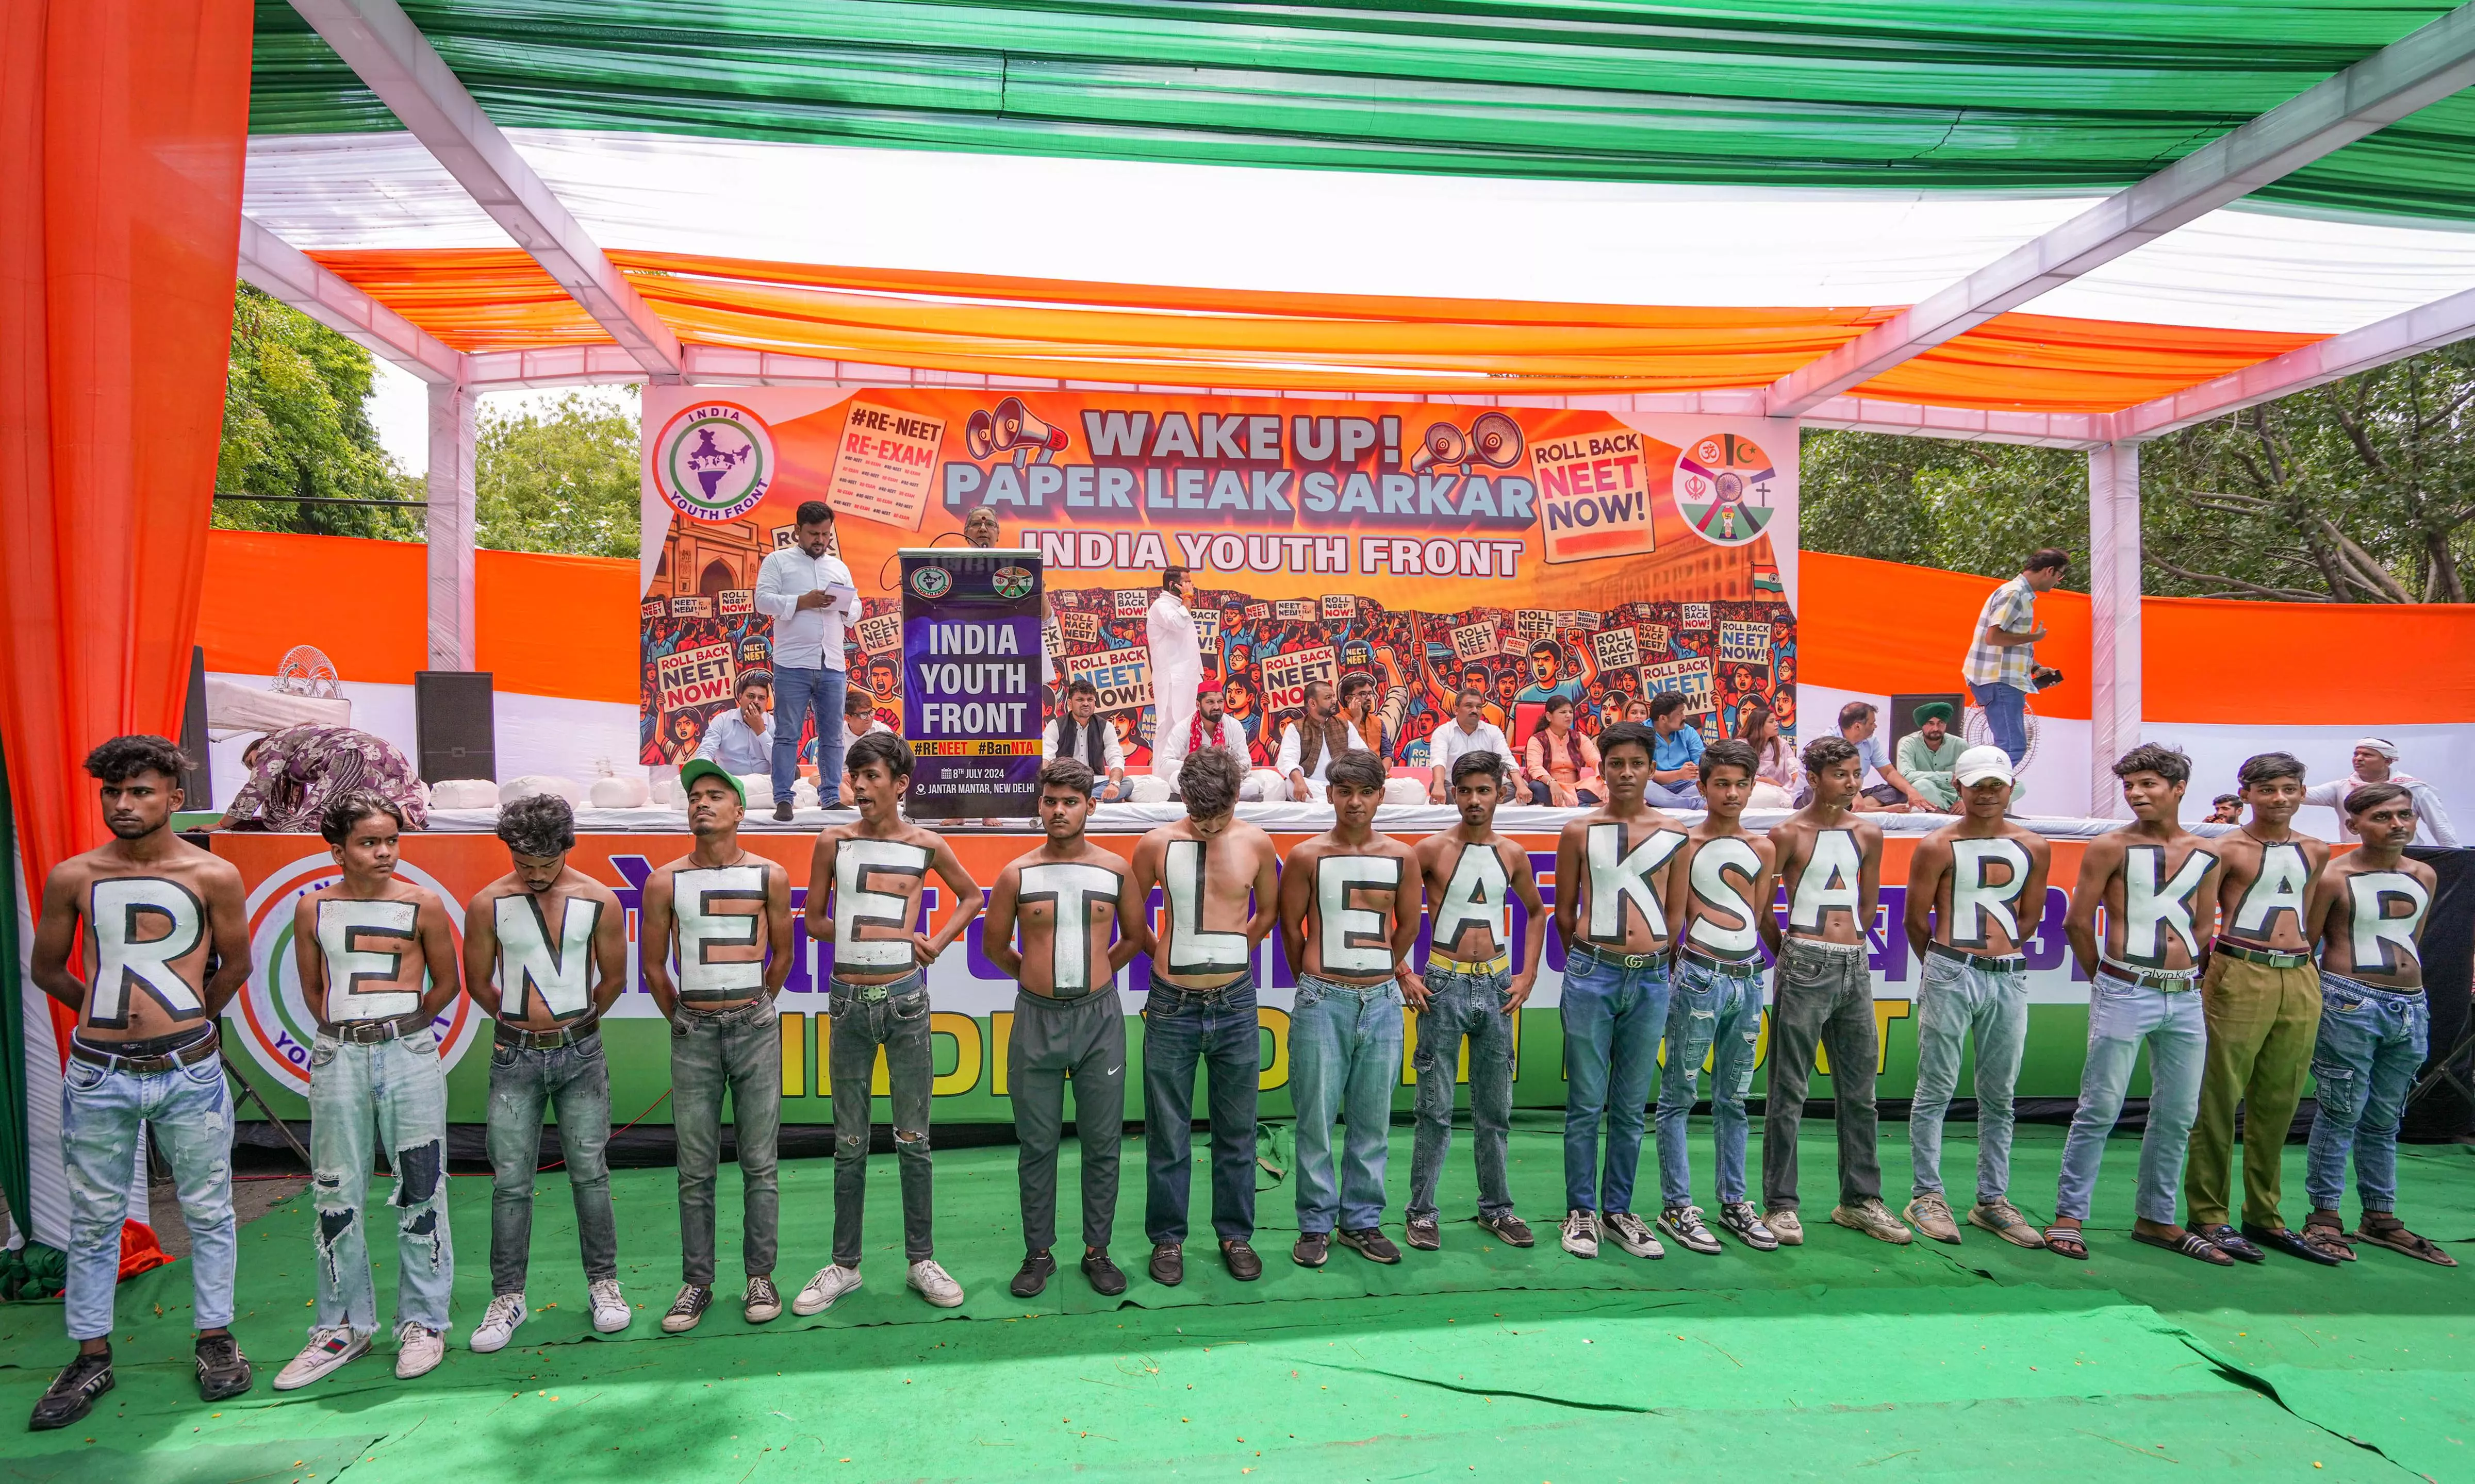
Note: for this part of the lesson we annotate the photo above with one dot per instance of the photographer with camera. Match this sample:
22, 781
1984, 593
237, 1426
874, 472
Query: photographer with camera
2002, 665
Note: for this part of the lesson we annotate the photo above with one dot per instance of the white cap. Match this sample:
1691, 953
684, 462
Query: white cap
2380, 744
1979, 764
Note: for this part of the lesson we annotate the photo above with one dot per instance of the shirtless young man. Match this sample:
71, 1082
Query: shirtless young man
1615, 885
1976, 891
1350, 907
2261, 992
1831, 863
1220, 885
1473, 875
2368, 916
864, 898
377, 960
1069, 899
727, 914
164, 939
1716, 1008
2153, 879
546, 955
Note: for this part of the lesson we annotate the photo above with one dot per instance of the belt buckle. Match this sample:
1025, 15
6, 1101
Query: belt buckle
873, 994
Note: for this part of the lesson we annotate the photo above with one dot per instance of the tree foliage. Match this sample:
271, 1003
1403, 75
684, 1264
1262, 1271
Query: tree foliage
296, 422
564, 480
2361, 491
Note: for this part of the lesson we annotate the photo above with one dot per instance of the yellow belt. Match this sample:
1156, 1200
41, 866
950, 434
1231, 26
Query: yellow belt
1495, 965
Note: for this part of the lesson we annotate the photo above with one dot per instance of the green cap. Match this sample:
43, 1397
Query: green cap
706, 767
1931, 711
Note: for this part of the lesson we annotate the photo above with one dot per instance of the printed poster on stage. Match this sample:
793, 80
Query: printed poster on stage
1528, 553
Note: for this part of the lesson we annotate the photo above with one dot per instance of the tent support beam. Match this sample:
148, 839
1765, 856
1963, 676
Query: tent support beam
2114, 618
2420, 68
453, 436
283, 272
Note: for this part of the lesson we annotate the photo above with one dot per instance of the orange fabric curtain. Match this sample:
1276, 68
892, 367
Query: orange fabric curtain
2226, 661
1880, 627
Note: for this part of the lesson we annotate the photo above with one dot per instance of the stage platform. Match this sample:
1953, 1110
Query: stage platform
1842, 1359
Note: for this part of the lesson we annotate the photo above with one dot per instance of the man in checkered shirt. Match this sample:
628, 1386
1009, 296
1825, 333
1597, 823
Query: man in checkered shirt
2002, 662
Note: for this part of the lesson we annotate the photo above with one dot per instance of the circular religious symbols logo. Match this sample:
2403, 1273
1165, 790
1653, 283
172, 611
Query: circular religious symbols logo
713, 461
1723, 488
272, 1017
1977, 731
1012, 581
932, 582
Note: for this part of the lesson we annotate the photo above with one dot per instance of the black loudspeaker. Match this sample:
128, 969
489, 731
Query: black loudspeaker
2442, 1112
1899, 719
453, 712
198, 783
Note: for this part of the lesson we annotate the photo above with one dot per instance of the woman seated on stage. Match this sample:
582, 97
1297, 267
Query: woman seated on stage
1779, 777
1562, 765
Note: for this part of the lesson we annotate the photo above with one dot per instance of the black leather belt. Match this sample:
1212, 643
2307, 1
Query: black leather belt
1616, 960
376, 1032
521, 1039
2014, 964
193, 1053
1749, 966
2272, 958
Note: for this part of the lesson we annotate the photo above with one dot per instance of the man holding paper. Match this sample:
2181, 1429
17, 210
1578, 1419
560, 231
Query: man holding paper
808, 593
1177, 666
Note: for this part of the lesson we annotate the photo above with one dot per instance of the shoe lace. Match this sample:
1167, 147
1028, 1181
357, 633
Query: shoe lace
605, 1290
1576, 1224
413, 1329
692, 1298
504, 1309
761, 1288
1686, 1218
927, 1270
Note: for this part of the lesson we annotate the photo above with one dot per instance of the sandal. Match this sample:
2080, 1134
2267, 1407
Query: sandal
2065, 1242
2191, 1245
2327, 1236
2391, 1233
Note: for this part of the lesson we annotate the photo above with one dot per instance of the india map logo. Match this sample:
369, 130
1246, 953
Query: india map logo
932, 582
713, 461
272, 1019
1722, 489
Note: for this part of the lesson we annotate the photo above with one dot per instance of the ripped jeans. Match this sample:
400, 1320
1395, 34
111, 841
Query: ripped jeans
391, 1095
191, 1113
1717, 1013
898, 1022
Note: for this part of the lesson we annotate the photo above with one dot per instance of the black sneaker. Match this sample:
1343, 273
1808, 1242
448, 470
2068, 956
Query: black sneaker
1311, 1249
782, 811
1509, 1229
72, 1392
687, 1310
1038, 1268
1423, 1232
1243, 1265
1168, 1264
1371, 1244
1106, 1280
223, 1370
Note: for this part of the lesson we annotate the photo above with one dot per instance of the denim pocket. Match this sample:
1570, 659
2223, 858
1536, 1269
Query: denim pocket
502, 1056
909, 1007
1307, 994
206, 1073
83, 1076
323, 1050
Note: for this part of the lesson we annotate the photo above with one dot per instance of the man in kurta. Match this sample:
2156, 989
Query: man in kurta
1927, 756
1177, 663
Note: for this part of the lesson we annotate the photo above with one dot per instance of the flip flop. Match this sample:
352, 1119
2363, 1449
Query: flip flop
2192, 1244
2065, 1242
2397, 1239
2329, 1239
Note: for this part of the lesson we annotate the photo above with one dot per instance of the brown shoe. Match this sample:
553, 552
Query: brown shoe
1168, 1264
1243, 1265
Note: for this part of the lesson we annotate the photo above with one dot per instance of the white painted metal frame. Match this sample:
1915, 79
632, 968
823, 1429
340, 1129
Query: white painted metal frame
269, 263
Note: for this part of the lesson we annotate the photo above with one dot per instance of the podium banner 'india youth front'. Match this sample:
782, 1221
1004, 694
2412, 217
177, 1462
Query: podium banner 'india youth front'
1529, 554
972, 681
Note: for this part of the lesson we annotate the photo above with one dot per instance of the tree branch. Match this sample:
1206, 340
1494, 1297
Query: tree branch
2241, 588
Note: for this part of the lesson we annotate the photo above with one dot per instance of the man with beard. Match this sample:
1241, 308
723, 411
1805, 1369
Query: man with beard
1310, 744
1176, 652
807, 592
1928, 757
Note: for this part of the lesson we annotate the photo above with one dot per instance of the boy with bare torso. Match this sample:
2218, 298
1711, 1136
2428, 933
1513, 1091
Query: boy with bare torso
1350, 901
1070, 902
1220, 885
164, 939
865, 886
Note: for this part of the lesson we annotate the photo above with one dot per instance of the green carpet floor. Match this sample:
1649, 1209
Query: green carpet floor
1845, 1358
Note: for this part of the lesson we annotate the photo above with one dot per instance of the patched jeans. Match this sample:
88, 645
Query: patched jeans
1955, 1002
1463, 1006
1344, 1061
2123, 1018
1716, 1014
1219, 1030
390, 1096
2372, 1041
190, 1111
575, 1081
1613, 1018
740, 1052
899, 1023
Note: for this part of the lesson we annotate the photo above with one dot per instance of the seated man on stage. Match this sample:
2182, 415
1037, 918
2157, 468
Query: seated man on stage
1079, 733
1467, 732
1310, 744
741, 739
1212, 726
1928, 756
1069, 899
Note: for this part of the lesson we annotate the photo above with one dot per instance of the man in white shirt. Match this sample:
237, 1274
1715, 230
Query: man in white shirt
859, 718
1469, 731
809, 594
1177, 663
742, 740
2375, 762
1309, 745
1079, 733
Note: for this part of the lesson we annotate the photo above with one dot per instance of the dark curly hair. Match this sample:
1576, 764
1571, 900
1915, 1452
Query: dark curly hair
538, 825
124, 757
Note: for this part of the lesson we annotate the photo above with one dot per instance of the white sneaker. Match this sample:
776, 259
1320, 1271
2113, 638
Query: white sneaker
831, 1282
610, 1311
499, 1322
327, 1351
419, 1349
934, 1285
1580, 1232
1632, 1233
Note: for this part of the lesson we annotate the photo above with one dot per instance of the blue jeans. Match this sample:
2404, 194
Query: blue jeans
391, 1095
2005, 709
1344, 1061
1463, 1004
1218, 1029
2372, 1041
2123, 1017
1613, 1018
1955, 1002
1712, 1010
575, 1081
190, 1111
798, 694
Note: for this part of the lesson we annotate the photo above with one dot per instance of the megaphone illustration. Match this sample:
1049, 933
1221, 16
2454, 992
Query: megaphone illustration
1493, 438
1012, 427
